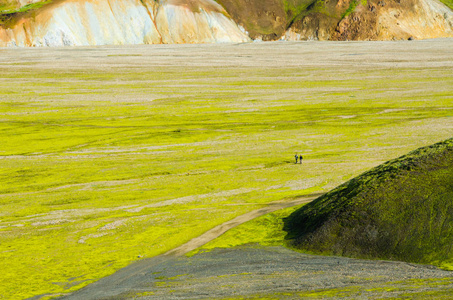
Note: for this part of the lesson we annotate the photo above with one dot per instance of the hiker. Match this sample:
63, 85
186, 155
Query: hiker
300, 159
296, 156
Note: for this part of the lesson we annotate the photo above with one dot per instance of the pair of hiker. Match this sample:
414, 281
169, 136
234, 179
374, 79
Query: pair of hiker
298, 157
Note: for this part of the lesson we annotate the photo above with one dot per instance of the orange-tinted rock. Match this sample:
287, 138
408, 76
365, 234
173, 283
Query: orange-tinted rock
342, 19
114, 22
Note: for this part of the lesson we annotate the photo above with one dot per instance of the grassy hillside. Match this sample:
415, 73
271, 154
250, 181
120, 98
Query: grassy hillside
448, 3
400, 210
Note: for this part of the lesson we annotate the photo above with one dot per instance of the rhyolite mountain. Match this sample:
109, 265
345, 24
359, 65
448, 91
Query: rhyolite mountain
400, 210
113, 22
343, 19
116, 22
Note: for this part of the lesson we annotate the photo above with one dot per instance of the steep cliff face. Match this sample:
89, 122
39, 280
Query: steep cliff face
115, 22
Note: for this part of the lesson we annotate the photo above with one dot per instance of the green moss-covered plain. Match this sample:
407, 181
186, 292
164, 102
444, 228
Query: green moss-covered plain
266, 230
106, 158
400, 210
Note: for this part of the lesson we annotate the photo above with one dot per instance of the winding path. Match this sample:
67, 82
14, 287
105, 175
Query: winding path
126, 279
222, 228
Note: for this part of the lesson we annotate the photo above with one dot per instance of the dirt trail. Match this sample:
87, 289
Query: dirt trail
222, 228
126, 279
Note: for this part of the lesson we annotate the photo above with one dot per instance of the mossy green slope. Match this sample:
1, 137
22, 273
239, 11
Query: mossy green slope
401, 210
11, 11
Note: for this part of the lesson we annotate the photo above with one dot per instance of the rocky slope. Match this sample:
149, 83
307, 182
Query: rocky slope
343, 19
401, 210
91, 22
113, 22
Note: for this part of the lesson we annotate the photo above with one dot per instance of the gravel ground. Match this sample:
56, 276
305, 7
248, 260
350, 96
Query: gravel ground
419, 54
279, 272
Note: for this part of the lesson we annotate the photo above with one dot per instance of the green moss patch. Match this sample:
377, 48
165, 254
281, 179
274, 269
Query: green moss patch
102, 166
400, 210
448, 3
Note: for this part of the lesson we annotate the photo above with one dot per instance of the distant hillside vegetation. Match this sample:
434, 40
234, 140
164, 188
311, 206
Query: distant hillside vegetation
343, 19
401, 210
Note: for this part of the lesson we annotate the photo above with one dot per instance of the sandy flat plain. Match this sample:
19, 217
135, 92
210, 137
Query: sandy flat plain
423, 54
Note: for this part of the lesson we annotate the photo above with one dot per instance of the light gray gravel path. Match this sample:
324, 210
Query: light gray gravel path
255, 271
133, 275
282, 273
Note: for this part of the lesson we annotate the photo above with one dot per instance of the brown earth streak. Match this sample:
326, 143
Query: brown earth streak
264, 19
